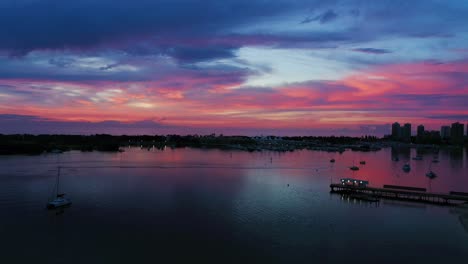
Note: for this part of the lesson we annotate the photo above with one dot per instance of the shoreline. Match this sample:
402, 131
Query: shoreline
38, 144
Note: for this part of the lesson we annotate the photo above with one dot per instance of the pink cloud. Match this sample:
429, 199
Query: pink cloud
413, 92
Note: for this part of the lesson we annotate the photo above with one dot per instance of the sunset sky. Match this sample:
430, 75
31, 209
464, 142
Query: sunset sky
231, 66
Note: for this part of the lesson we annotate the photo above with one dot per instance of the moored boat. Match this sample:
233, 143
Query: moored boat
60, 200
431, 175
406, 167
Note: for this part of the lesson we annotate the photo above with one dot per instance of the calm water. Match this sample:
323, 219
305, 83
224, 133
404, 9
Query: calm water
226, 207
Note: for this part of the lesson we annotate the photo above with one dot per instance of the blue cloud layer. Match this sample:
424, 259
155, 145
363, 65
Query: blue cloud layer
188, 29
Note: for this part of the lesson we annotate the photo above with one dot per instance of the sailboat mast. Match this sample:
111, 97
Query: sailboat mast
58, 180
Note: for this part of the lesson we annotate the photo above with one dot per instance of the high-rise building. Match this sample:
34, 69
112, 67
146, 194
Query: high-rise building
406, 132
420, 130
445, 132
434, 134
456, 133
396, 129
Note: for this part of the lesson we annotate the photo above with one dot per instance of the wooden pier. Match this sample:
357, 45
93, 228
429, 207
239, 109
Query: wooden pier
402, 193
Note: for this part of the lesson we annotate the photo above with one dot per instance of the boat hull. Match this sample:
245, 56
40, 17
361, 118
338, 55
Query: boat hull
58, 203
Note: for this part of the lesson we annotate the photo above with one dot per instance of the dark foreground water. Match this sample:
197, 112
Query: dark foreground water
189, 205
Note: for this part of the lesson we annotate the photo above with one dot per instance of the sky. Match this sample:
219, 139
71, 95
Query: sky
294, 67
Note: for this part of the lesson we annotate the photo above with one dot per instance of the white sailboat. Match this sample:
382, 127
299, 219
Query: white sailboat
431, 175
60, 200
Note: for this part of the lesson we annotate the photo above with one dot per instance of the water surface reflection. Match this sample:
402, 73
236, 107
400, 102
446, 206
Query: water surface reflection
226, 206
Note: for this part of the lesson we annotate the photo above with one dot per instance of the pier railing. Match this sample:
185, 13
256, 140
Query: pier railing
403, 194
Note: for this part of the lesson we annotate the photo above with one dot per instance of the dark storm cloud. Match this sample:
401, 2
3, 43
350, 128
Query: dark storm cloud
190, 31
49, 24
56, 24
193, 30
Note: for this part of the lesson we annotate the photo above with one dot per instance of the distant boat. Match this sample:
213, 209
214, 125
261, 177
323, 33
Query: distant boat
418, 157
354, 167
332, 160
406, 167
60, 200
431, 175
363, 162
396, 159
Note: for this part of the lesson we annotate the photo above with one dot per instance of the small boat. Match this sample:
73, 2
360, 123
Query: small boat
396, 159
418, 157
354, 168
332, 160
406, 167
60, 200
431, 175
363, 162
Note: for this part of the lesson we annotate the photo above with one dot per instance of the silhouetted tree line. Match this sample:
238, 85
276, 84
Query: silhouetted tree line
334, 139
36, 144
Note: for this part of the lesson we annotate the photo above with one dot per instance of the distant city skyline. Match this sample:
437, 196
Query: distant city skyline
453, 133
420, 128
233, 67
